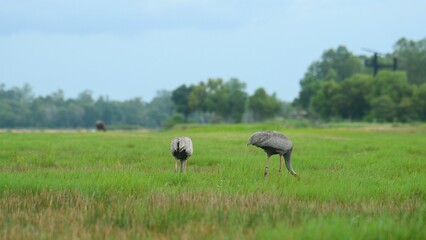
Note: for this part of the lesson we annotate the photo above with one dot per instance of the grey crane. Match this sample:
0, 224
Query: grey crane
274, 143
100, 126
181, 149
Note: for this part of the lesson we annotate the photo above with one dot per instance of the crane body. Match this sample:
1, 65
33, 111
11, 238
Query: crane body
274, 143
181, 149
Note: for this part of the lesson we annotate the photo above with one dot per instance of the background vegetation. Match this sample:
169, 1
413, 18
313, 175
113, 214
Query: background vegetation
340, 86
222, 102
366, 182
337, 87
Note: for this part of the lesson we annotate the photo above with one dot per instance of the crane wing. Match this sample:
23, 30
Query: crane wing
180, 144
186, 144
271, 139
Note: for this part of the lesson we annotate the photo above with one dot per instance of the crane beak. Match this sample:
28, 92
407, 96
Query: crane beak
297, 176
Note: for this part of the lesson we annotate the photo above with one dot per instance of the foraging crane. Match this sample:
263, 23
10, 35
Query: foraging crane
181, 149
100, 126
274, 143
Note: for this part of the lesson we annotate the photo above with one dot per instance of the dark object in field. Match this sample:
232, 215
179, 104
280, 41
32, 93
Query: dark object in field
181, 149
274, 143
100, 126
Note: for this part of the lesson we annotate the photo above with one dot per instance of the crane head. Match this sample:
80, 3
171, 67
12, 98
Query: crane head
297, 176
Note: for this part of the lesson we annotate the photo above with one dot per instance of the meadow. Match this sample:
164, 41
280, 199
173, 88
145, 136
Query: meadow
362, 182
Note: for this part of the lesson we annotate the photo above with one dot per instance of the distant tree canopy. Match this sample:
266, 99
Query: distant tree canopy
412, 59
180, 98
263, 106
225, 101
339, 86
335, 65
212, 101
19, 108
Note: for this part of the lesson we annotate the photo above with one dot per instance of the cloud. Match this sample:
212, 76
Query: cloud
135, 16
96, 16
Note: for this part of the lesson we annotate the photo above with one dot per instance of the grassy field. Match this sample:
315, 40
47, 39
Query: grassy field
366, 182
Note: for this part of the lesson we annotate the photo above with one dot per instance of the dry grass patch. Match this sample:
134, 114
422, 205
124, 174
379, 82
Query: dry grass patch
179, 215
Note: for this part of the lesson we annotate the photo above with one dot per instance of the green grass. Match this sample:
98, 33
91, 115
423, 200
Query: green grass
365, 182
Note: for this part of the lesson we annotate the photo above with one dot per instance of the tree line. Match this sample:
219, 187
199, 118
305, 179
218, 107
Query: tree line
19, 108
212, 101
338, 86
217, 100
341, 86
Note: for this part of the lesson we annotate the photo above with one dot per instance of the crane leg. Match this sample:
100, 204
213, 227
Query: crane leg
184, 165
266, 168
181, 165
176, 164
281, 162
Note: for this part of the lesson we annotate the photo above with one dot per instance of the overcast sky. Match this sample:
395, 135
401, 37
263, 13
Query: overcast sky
133, 48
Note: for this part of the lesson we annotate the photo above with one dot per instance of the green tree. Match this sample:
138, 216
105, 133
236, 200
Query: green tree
237, 98
87, 104
309, 88
15, 106
335, 65
321, 101
105, 110
159, 110
383, 109
180, 98
393, 84
75, 114
419, 101
217, 98
197, 98
406, 111
351, 100
13, 114
263, 106
412, 59
396, 86
133, 112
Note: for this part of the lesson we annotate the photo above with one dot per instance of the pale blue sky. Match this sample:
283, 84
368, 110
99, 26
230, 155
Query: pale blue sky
126, 49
